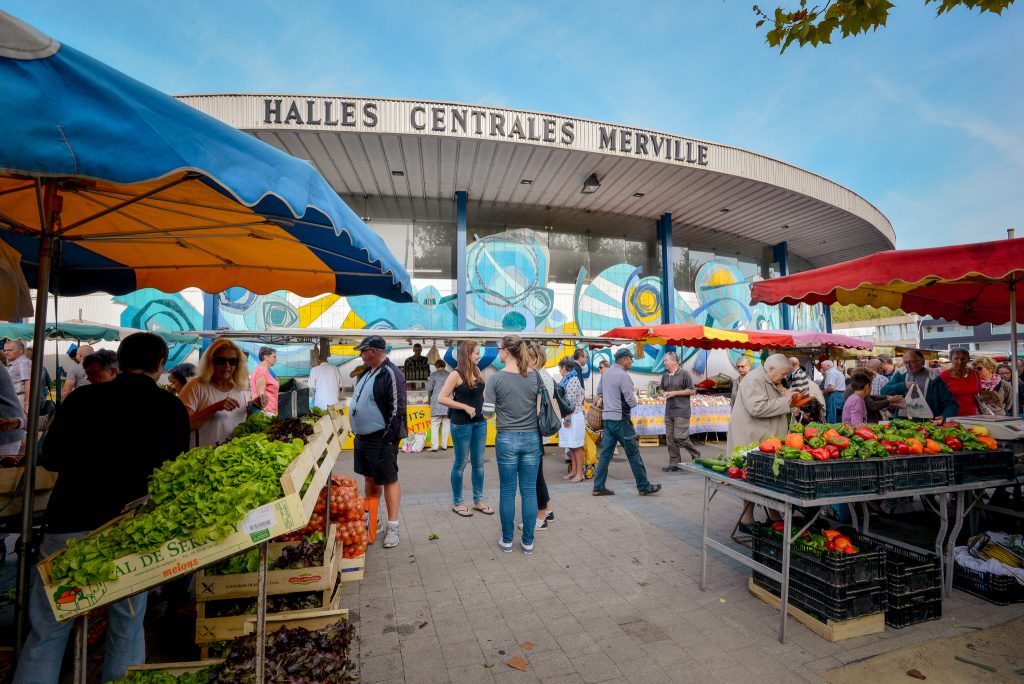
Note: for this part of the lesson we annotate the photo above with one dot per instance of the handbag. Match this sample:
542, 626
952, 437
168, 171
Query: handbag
595, 421
565, 406
547, 421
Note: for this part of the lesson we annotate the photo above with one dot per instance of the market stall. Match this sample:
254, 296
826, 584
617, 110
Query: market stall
834, 465
109, 185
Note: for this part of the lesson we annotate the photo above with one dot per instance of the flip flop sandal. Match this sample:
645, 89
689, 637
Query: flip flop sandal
486, 510
463, 511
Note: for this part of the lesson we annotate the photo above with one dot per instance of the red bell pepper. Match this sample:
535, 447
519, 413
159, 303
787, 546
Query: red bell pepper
820, 454
865, 433
902, 449
810, 431
840, 441
744, 473
833, 450
954, 443
779, 526
734, 472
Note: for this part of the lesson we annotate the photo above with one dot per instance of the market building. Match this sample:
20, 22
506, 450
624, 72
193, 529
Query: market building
522, 221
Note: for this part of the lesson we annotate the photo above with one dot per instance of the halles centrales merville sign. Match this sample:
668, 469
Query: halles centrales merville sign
395, 116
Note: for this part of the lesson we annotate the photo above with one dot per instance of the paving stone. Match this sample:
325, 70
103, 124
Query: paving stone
382, 668
550, 664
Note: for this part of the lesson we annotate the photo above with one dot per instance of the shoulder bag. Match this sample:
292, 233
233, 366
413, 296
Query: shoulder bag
565, 406
547, 421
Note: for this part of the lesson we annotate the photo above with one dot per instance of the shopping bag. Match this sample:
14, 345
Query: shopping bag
591, 444
917, 407
595, 421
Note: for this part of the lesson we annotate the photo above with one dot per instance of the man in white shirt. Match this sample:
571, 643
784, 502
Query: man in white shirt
76, 376
833, 386
20, 368
324, 383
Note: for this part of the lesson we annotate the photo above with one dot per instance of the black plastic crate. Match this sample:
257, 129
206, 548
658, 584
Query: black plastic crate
979, 466
900, 473
1002, 590
835, 569
823, 587
908, 571
857, 603
914, 613
814, 479
914, 598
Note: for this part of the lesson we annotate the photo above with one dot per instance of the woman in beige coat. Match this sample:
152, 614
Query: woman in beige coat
762, 409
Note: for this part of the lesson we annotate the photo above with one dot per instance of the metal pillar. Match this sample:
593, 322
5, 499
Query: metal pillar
1014, 375
668, 289
827, 309
211, 315
780, 254
460, 259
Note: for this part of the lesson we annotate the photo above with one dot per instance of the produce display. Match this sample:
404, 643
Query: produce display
307, 553
734, 465
825, 541
200, 495
293, 655
347, 509
828, 441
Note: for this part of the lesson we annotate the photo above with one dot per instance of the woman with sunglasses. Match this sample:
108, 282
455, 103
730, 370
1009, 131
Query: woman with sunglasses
217, 397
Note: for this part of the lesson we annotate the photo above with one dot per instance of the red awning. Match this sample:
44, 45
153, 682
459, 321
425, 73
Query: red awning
969, 284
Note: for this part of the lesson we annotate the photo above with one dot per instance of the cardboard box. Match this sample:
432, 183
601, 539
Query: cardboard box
211, 629
11, 492
241, 585
179, 557
309, 619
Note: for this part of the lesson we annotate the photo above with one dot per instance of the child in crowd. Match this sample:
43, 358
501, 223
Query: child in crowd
855, 410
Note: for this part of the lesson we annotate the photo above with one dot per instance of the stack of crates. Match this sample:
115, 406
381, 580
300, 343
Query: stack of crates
913, 585
1001, 590
827, 585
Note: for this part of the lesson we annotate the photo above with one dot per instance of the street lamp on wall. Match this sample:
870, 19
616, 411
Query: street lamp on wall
591, 184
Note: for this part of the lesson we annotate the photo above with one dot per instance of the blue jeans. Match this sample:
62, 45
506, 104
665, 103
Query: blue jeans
470, 440
622, 432
518, 456
834, 407
40, 660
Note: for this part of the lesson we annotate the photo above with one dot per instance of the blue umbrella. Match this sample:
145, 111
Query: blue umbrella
109, 185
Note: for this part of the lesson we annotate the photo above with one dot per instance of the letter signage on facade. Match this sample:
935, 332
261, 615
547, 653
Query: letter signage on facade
397, 116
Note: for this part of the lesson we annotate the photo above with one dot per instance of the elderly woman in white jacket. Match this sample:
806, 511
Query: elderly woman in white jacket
762, 408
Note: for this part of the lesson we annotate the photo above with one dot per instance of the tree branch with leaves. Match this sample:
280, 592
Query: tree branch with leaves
817, 24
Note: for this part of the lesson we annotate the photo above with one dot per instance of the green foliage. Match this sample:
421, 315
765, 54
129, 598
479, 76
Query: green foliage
851, 313
201, 495
815, 25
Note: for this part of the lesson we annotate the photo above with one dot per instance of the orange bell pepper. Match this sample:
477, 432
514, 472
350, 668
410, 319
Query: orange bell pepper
831, 534
794, 440
841, 543
988, 441
915, 446
932, 447
829, 434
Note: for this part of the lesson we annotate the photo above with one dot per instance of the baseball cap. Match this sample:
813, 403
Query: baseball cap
623, 353
372, 342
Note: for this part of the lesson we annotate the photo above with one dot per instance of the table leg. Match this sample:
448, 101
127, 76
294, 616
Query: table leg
81, 668
787, 532
261, 614
940, 540
704, 535
947, 578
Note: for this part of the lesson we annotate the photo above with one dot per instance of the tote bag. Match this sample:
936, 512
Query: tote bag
547, 420
917, 407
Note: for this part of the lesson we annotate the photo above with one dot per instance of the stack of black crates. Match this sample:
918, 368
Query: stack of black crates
827, 585
913, 585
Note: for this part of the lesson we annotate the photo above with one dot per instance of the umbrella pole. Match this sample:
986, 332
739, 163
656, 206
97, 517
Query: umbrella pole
46, 198
1015, 376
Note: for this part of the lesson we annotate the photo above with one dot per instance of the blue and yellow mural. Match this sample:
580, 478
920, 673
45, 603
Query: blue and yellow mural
508, 289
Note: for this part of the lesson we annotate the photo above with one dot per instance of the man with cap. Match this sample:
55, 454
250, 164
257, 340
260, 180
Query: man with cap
377, 415
619, 397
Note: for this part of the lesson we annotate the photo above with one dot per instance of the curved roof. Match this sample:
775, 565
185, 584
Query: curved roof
400, 156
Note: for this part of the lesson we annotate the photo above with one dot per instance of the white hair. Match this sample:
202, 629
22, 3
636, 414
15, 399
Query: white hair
777, 362
826, 364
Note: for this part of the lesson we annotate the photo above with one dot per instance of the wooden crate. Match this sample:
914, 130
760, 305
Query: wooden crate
211, 629
177, 669
241, 585
308, 619
830, 630
179, 557
353, 569
648, 441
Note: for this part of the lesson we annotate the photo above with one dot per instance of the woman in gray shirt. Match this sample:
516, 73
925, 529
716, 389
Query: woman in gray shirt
12, 418
511, 395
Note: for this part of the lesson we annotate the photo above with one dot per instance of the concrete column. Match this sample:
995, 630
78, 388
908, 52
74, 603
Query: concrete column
460, 258
780, 254
668, 287
211, 316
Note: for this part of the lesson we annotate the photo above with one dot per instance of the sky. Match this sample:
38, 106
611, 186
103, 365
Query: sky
923, 118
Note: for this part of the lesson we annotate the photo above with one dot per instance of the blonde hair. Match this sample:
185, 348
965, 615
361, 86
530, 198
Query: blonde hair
538, 357
986, 363
205, 372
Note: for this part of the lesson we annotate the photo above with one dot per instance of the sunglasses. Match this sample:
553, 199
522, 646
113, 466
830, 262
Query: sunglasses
225, 361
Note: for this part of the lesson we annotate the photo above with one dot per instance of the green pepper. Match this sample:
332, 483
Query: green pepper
797, 428
845, 429
816, 442
849, 452
806, 456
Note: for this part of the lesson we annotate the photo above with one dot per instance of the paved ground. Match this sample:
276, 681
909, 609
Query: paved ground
611, 594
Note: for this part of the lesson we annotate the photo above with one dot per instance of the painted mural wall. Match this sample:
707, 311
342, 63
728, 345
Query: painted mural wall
509, 289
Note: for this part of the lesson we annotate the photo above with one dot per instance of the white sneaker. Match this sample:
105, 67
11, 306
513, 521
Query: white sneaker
541, 525
507, 548
527, 549
391, 539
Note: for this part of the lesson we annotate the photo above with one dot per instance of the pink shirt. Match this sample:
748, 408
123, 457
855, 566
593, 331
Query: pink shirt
855, 411
272, 387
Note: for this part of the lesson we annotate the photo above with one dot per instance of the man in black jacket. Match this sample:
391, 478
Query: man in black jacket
105, 441
377, 414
